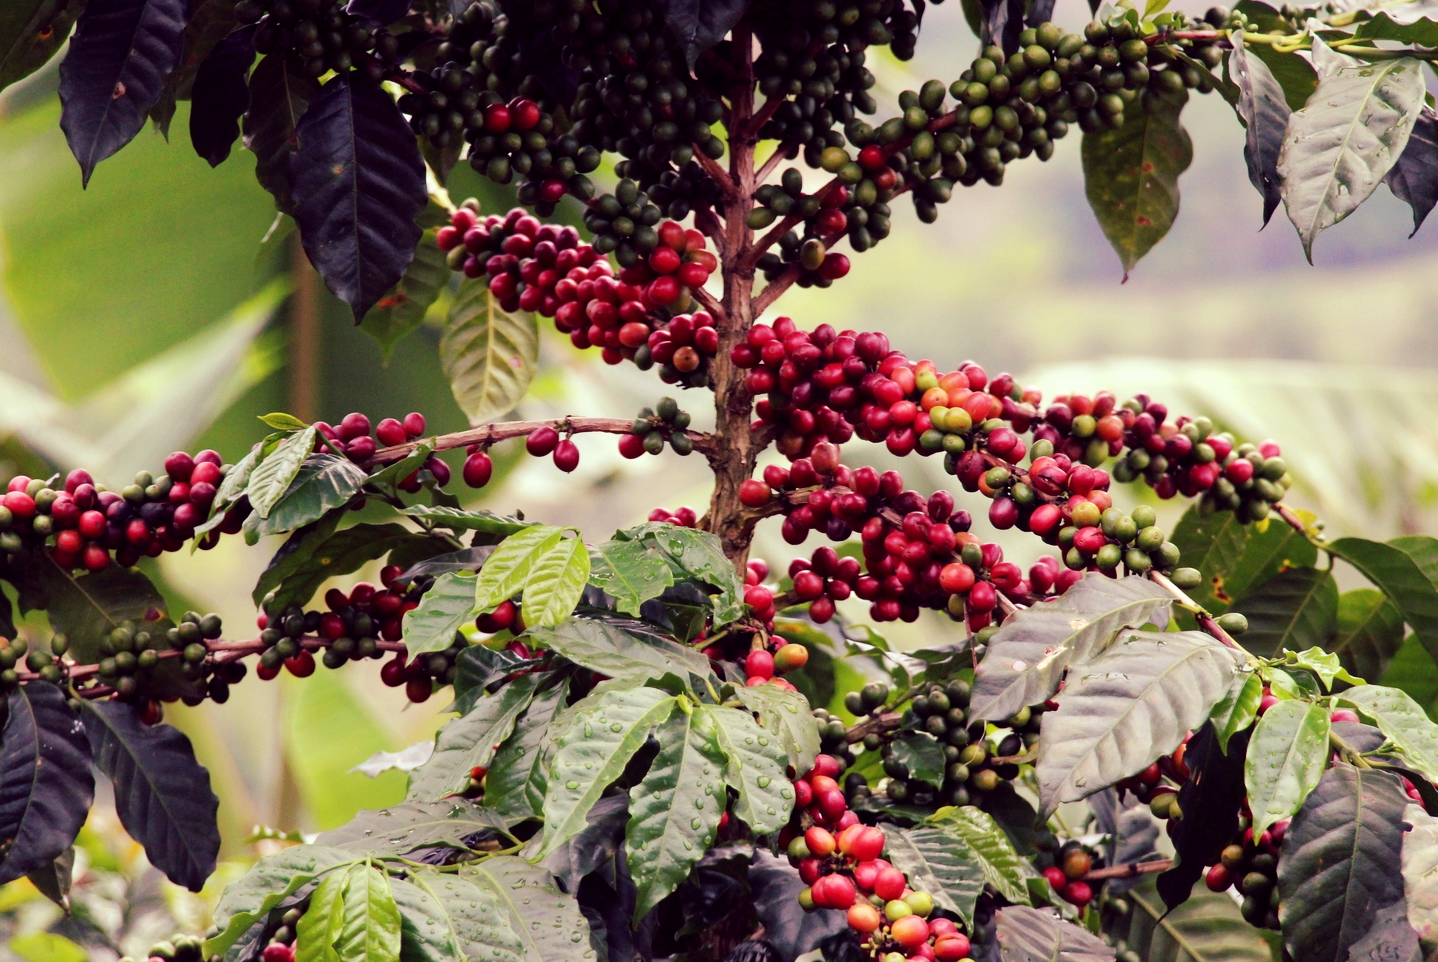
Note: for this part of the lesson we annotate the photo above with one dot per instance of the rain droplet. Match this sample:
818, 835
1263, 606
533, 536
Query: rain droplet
571, 785
763, 781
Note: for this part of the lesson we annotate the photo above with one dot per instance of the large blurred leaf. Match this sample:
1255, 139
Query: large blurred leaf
1234, 558
1401, 579
488, 355
675, 809
30, 33
1034, 647
936, 864
1338, 862
1036, 935
1205, 928
754, 768
221, 96
411, 826
162, 793
470, 740
46, 785
1131, 174
700, 24
401, 311
1124, 709
1295, 609
1402, 721
1420, 872
280, 94
1343, 142
1413, 179
1285, 760
548, 922
1370, 631
1210, 800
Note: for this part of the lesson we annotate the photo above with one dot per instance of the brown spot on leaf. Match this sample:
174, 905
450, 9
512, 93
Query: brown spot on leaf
119, 91
1218, 593
1143, 221
1147, 167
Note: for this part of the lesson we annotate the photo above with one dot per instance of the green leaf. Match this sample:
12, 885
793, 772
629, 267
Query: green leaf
458, 520
391, 475
922, 755
31, 31
312, 556
674, 811
1399, 577
989, 847
622, 651
754, 769
1294, 609
319, 927
936, 864
1206, 928
555, 583
324, 482
448, 918
1033, 648
700, 555
1294, 74
1421, 32
1420, 872
269, 881
401, 311
786, 714
549, 923
596, 745
413, 825
1034, 935
1234, 557
1403, 721
632, 572
1341, 144
1238, 709
516, 781
1131, 175
232, 486
271, 478
47, 947
1339, 862
281, 421
470, 740
87, 607
443, 610
1325, 666
1285, 760
1370, 632
371, 927
506, 570
489, 356
1126, 708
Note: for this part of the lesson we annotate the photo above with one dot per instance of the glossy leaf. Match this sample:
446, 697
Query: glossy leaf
1389, 939
270, 480
1131, 175
279, 96
1234, 557
31, 31
754, 768
1399, 577
786, 714
1339, 862
1206, 928
371, 929
485, 522
323, 483
87, 607
1414, 179
612, 649
221, 96
1341, 145
1264, 112
555, 582
1037, 935
296, 573
479, 668
989, 848
1420, 871
1238, 709
443, 610
1402, 721
548, 922
700, 555
469, 741
1295, 75
488, 355
1033, 648
1210, 800
516, 782
1370, 632
507, 569
54, 879
162, 794
319, 927
357, 182
596, 745
209, 23
269, 882
114, 71
1285, 760
922, 755
448, 918
632, 572
935, 864
700, 24
1326, 667
1124, 709
674, 810
1294, 609
400, 312
412, 826
46, 785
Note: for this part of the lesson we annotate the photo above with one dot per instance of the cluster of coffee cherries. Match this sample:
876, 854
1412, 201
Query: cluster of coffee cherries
1068, 874
180, 948
975, 768
352, 628
321, 33
357, 440
1251, 865
281, 946
1158, 784
654, 427
85, 524
683, 516
839, 859
130, 655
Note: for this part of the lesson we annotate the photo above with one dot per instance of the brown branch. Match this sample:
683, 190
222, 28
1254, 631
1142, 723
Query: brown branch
710, 302
718, 174
492, 433
774, 160
776, 288
707, 223
762, 117
875, 725
1204, 619
1128, 870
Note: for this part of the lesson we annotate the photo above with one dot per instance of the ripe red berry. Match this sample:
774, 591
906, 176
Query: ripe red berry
758, 597
663, 291
390, 432
392, 674
1056, 877
759, 664
523, 114
542, 441
566, 456
1219, 878
693, 275
354, 425
95, 558
871, 158
302, 665
20, 505
1078, 894
834, 267
889, 884
419, 689
631, 446
496, 120
179, 465
1343, 715
478, 469
551, 191
664, 260
790, 657
910, 931
414, 424
278, 952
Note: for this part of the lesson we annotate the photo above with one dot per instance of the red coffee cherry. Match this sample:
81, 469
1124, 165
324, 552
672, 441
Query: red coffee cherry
478, 469
566, 456
542, 442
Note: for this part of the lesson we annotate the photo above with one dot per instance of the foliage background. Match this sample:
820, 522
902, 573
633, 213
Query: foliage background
146, 314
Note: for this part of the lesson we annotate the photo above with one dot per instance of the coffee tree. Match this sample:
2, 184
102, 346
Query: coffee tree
662, 747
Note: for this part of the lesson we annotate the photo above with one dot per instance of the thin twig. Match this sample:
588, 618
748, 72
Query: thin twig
492, 433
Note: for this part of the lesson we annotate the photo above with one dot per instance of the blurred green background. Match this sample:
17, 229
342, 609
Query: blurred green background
153, 311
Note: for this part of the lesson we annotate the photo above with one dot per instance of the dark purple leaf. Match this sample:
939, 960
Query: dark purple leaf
279, 95
221, 95
1040, 11
119, 57
1414, 179
357, 183
1003, 22
1264, 112
385, 11
700, 24
46, 784
1210, 800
